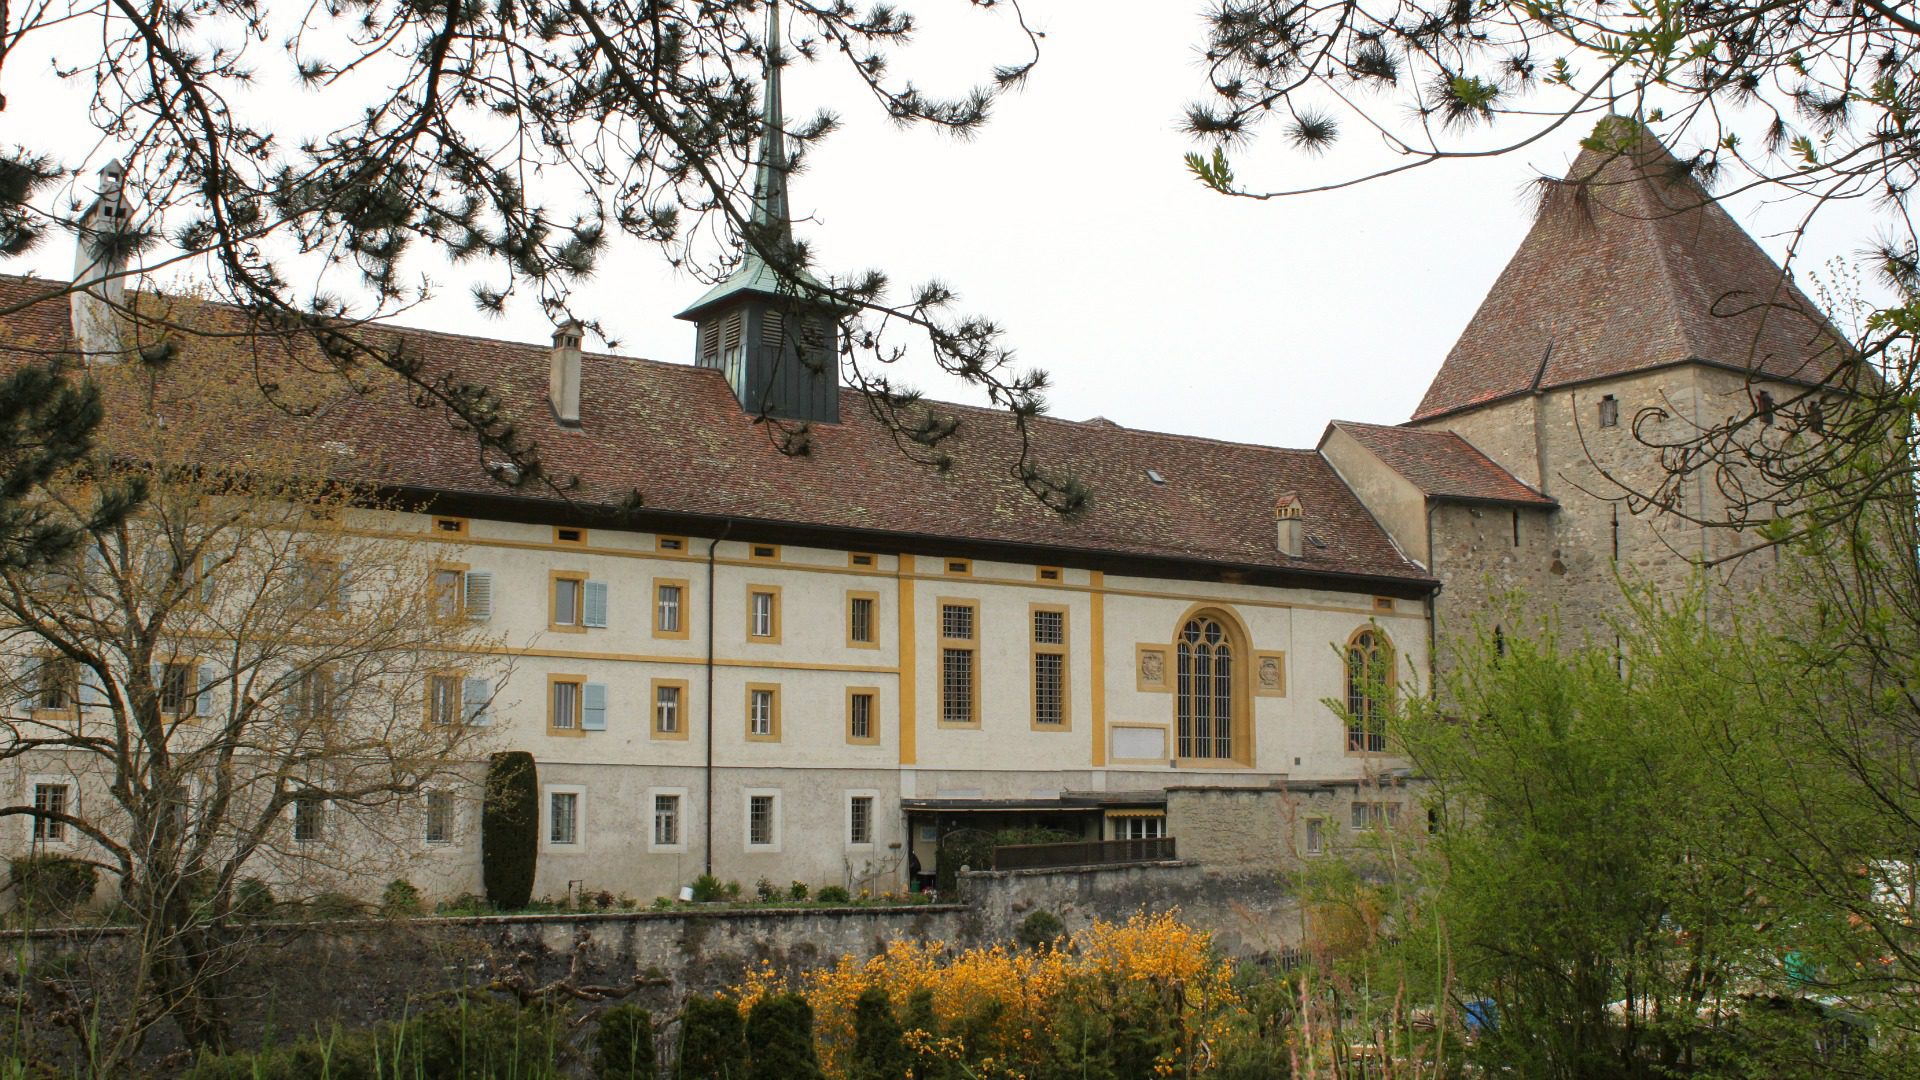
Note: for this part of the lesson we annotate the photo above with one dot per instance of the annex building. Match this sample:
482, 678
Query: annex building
814, 666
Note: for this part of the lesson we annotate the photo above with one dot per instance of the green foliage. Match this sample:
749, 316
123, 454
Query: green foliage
707, 888
834, 894
468, 1040
510, 830
1040, 929
765, 890
973, 848
920, 1028
623, 1044
878, 1051
252, 899
797, 891
401, 898
47, 424
780, 1039
713, 1043
53, 886
334, 906
1109, 1028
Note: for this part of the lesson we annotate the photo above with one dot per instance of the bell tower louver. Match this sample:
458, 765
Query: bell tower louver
775, 341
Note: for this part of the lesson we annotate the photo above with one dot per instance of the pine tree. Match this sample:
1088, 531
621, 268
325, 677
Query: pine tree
712, 1041
878, 1050
780, 1036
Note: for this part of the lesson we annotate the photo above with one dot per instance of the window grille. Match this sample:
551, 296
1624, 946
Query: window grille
762, 712
860, 820
1369, 663
443, 700
308, 811
956, 622
760, 820
666, 710
763, 615
669, 615
860, 716
666, 820
1049, 688
439, 817
1205, 696
50, 799
563, 818
860, 619
176, 688
566, 706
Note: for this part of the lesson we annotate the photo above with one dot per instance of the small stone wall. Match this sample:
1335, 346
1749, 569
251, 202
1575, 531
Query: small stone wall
1249, 911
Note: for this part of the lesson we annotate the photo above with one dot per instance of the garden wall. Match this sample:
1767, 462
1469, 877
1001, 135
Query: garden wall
1249, 912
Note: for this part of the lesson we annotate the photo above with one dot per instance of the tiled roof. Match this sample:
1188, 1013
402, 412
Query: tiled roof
675, 433
1442, 464
1632, 270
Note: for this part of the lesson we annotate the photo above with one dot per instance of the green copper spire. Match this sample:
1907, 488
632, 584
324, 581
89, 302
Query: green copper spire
769, 217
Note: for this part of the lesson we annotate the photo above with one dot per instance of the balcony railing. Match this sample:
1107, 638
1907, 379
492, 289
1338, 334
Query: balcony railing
1082, 853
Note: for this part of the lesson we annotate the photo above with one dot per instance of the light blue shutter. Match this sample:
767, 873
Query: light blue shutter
91, 692
203, 705
208, 562
594, 605
343, 587
29, 683
479, 598
475, 697
593, 707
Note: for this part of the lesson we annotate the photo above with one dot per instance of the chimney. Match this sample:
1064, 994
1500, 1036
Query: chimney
563, 385
99, 266
1289, 520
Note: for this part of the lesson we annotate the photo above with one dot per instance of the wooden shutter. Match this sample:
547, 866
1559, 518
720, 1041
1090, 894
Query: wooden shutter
479, 595
594, 604
593, 707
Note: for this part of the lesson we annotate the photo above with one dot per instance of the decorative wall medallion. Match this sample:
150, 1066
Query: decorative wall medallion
1270, 674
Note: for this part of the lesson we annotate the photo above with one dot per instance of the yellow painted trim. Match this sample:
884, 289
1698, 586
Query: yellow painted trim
1166, 744
873, 619
1064, 650
1136, 813
458, 612
443, 525
686, 608
662, 540
873, 716
579, 703
679, 734
909, 695
774, 621
1097, 698
972, 645
1040, 574
754, 556
459, 702
773, 710
580, 536
659, 658
872, 563
1382, 605
554, 578
1261, 685
956, 567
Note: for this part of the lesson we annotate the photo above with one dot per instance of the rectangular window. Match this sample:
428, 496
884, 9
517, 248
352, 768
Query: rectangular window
1140, 828
1368, 815
861, 629
667, 599
764, 553
959, 567
763, 613
176, 688
449, 589
859, 559
861, 722
1049, 652
50, 799
569, 536
57, 684
308, 814
670, 543
444, 699
958, 673
563, 817
666, 820
317, 585
759, 820
860, 820
313, 695
439, 817
666, 710
763, 712
450, 526
1316, 842
563, 705
1047, 573
568, 595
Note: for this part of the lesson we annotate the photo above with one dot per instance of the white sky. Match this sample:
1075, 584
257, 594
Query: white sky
1071, 220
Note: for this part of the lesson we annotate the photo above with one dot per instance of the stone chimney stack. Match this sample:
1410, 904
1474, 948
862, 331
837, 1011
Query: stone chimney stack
99, 266
1290, 523
563, 383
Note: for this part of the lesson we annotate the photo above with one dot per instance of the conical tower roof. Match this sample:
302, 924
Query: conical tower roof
1630, 266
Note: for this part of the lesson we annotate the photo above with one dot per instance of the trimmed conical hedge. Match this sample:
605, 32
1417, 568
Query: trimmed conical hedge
510, 830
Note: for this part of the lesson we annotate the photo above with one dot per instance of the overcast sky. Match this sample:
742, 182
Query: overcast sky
1071, 220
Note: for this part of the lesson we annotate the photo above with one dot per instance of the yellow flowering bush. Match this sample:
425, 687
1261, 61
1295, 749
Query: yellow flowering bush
1008, 1013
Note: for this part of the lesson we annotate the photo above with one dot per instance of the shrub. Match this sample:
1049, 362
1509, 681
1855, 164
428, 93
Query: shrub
331, 906
623, 1044
797, 891
765, 890
878, 1051
835, 894
53, 884
780, 1035
510, 829
401, 897
707, 888
252, 899
1040, 929
661, 903
469, 1040
732, 891
713, 1043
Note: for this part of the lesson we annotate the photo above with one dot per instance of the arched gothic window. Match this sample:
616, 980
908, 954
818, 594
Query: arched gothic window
1205, 705
1369, 682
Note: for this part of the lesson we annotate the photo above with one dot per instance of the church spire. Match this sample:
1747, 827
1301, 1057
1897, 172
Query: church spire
770, 175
